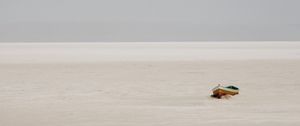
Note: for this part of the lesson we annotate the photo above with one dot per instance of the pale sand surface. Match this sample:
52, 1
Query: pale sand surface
148, 84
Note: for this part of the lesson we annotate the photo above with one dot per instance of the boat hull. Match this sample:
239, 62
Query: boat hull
221, 91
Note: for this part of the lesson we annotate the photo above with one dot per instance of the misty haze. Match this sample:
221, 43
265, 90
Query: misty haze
148, 20
149, 62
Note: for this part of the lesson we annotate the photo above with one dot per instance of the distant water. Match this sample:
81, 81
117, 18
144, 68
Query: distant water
146, 51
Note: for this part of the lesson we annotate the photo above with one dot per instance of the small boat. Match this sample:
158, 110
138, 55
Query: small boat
220, 91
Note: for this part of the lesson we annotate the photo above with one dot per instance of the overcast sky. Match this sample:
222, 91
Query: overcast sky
149, 20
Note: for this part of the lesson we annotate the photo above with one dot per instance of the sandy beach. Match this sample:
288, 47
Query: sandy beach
149, 84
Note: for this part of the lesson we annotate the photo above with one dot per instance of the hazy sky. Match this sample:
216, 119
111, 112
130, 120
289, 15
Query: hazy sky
149, 20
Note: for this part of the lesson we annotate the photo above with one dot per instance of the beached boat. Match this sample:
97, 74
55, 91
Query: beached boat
220, 91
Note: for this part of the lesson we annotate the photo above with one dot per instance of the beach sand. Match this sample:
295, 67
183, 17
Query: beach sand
149, 84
